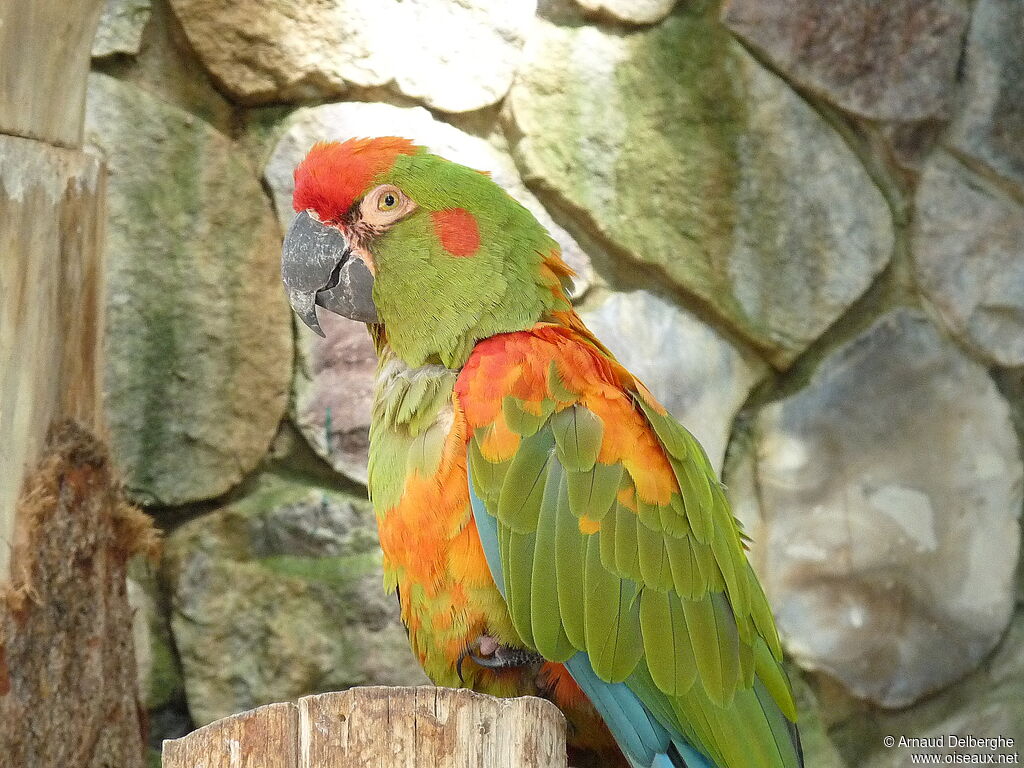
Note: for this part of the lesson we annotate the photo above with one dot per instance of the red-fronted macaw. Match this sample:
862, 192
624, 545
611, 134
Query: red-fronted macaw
550, 528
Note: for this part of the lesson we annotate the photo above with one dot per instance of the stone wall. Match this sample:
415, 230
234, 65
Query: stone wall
801, 223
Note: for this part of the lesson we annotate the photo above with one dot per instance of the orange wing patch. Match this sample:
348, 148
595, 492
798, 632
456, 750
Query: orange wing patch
519, 364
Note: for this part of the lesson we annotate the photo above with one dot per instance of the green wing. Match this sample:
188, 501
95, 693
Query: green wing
659, 593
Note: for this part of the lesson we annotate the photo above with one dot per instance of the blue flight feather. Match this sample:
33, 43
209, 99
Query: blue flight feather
487, 528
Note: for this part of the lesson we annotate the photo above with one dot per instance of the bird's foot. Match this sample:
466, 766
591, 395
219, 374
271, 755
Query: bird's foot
491, 654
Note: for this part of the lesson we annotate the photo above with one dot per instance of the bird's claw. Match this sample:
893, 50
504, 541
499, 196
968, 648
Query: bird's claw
493, 655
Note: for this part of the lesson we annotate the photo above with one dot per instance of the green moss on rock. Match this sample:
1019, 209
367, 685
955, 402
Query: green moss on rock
199, 340
278, 595
684, 153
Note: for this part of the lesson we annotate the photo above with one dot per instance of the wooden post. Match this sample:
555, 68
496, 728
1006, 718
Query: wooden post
68, 691
51, 238
380, 727
44, 58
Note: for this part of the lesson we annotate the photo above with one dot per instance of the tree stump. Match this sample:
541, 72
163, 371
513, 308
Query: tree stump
381, 727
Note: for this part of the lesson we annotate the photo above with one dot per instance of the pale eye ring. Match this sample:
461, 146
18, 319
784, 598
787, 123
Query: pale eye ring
384, 205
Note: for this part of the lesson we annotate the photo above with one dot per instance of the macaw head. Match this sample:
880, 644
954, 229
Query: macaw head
435, 254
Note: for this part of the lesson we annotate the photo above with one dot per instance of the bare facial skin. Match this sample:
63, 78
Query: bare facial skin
382, 207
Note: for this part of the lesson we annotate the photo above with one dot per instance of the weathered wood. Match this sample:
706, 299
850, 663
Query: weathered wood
266, 737
51, 300
44, 62
380, 727
67, 664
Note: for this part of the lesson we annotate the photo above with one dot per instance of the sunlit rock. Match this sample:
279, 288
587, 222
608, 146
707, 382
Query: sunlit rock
685, 153
968, 249
198, 332
279, 595
456, 56
883, 502
696, 373
120, 27
633, 11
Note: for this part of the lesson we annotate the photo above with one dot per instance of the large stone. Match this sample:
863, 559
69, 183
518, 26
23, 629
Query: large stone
883, 502
334, 392
884, 60
968, 251
697, 374
199, 338
167, 67
120, 29
990, 125
632, 11
986, 704
456, 56
688, 155
279, 595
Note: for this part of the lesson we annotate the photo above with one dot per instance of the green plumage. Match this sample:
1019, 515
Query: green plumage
610, 542
592, 493
661, 597
470, 298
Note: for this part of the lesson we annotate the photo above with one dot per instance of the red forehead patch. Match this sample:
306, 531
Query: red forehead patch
335, 174
457, 230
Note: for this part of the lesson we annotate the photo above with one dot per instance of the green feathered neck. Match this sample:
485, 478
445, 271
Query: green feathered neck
435, 306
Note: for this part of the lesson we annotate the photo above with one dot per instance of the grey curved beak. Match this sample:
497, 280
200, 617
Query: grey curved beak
318, 268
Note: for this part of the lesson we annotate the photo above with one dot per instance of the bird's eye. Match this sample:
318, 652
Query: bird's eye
384, 205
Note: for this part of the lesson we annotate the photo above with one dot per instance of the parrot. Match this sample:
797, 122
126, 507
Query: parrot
549, 527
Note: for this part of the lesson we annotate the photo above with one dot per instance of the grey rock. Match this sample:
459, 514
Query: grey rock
694, 372
968, 247
883, 501
675, 145
278, 595
453, 56
333, 388
198, 335
990, 125
120, 29
878, 59
142, 608
988, 704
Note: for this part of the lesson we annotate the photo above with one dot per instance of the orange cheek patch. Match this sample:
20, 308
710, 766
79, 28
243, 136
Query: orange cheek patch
457, 230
